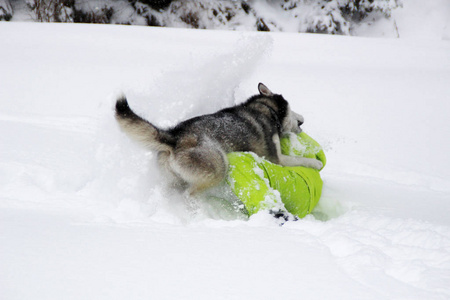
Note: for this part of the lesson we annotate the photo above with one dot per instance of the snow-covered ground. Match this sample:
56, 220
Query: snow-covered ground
83, 211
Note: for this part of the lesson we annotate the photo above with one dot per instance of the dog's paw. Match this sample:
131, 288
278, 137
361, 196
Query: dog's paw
316, 164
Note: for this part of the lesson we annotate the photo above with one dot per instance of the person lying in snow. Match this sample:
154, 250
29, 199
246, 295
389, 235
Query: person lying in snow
262, 185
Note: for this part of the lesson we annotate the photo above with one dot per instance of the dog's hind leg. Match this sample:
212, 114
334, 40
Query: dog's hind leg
172, 179
201, 167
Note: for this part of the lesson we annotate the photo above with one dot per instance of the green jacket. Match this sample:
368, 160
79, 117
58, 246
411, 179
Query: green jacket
262, 185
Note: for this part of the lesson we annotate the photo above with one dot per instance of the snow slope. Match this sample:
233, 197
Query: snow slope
83, 211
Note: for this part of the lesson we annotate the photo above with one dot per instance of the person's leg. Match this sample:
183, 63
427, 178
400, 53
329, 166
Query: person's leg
262, 185
248, 180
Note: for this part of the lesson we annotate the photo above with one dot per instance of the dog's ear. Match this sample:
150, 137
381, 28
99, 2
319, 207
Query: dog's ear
264, 90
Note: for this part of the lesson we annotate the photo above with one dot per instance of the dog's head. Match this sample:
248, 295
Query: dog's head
290, 120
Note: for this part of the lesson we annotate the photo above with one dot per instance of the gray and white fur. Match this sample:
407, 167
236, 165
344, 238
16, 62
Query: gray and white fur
194, 152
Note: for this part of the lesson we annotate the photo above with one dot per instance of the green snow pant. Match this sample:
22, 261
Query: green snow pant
262, 185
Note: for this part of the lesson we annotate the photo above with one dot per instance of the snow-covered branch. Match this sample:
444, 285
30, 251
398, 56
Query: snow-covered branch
315, 16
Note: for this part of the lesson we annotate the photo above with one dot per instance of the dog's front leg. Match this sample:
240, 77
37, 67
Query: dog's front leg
297, 161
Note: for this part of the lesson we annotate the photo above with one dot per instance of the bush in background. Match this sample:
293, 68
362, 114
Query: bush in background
6, 11
315, 16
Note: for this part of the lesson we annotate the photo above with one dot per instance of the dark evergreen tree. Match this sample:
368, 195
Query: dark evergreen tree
6, 11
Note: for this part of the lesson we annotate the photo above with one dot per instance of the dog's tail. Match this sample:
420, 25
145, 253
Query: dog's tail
141, 130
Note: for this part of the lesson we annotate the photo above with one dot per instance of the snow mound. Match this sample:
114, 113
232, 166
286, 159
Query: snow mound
84, 213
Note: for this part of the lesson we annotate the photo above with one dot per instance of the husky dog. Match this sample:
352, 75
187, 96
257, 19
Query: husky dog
194, 152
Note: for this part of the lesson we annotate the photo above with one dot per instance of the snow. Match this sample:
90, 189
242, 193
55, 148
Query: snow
419, 20
84, 213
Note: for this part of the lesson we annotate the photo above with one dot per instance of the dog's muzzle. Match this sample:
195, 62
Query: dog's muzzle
299, 123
